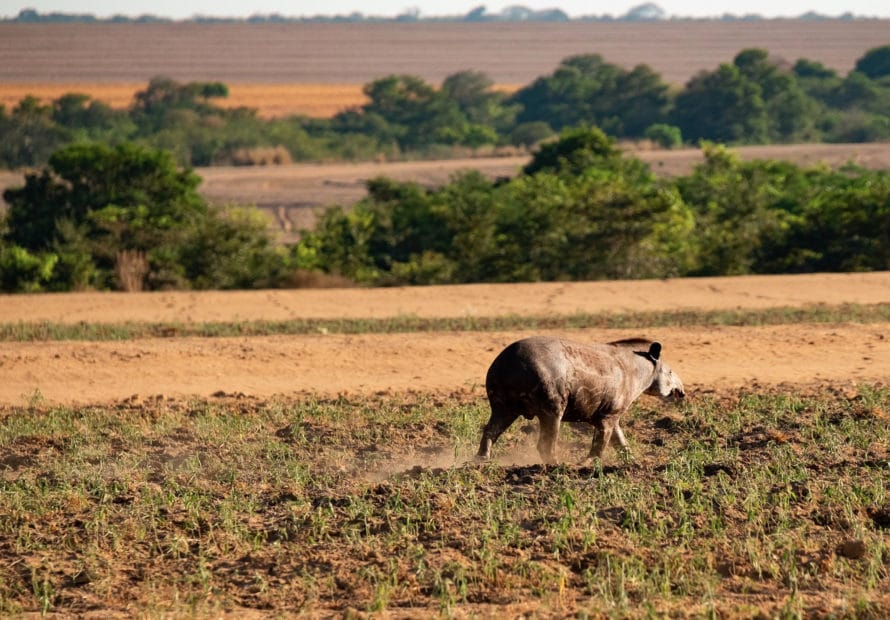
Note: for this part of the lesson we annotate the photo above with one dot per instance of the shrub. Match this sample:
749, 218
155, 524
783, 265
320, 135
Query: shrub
23, 272
531, 134
127, 217
665, 136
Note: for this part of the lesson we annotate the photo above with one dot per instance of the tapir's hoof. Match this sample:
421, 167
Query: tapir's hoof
589, 461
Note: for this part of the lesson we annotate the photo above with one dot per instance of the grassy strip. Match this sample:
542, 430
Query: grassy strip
41, 331
740, 505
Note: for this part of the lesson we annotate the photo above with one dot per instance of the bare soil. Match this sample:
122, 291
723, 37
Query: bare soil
514, 53
706, 357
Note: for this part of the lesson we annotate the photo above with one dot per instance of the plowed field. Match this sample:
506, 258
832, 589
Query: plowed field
514, 53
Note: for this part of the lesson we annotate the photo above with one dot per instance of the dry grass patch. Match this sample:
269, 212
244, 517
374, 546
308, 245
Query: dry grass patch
270, 100
117, 95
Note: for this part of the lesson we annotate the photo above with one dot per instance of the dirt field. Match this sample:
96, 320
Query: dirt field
305, 69
328, 474
709, 358
319, 54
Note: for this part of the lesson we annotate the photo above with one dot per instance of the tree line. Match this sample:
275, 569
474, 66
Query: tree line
755, 99
127, 217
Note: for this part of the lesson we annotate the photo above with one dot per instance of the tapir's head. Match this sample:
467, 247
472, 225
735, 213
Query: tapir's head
666, 382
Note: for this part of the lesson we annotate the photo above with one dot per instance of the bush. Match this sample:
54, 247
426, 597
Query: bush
531, 134
665, 136
127, 217
23, 272
875, 63
577, 149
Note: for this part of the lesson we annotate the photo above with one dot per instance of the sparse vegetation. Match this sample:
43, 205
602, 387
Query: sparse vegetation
36, 331
740, 504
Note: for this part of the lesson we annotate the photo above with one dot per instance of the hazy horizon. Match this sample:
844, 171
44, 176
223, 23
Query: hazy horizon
441, 8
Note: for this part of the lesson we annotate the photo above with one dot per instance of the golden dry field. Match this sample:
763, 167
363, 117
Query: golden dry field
270, 100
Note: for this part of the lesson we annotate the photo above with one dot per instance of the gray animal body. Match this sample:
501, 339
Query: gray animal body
557, 380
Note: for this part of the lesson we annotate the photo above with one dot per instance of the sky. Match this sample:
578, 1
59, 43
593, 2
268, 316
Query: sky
179, 9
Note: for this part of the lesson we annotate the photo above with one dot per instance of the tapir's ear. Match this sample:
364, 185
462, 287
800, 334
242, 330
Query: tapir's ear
655, 350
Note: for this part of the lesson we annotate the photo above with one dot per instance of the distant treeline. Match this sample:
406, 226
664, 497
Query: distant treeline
754, 99
126, 217
514, 13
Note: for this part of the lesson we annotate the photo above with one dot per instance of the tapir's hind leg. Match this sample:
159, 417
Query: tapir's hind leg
497, 424
547, 438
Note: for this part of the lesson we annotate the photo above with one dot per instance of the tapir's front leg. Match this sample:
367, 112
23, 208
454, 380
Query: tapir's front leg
622, 442
603, 430
602, 433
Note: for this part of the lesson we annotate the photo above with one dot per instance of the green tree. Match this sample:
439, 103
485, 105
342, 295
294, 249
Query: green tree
482, 106
163, 96
743, 211
412, 111
665, 136
78, 111
846, 225
530, 134
576, 149
28, 135
127, 191
587, 90
94, 202
722, 106
857, 92
791, 112
875, 63
579, 149
231, 249
24, 272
